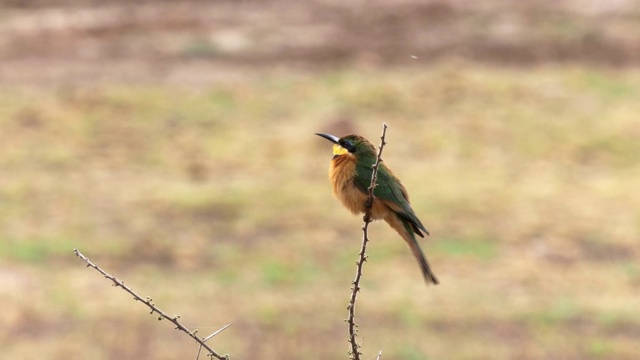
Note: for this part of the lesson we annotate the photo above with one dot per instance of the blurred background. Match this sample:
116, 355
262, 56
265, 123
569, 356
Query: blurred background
172, 143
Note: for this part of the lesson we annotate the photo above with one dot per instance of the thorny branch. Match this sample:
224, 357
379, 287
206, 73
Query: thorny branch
353, 327
154, 309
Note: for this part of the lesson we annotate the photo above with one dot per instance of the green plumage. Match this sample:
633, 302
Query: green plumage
388, 189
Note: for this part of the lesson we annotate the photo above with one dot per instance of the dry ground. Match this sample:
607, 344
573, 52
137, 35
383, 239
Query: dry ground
173, 144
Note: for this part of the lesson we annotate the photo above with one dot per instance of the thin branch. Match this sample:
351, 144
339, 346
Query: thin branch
217, 332
379, 355
154, 309
353, 327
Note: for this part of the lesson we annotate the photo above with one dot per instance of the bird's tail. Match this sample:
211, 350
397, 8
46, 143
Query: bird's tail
405, 230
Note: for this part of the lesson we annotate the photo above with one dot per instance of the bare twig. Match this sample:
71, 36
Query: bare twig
379, 355
209, 337
154, 309
353, 327
217, 332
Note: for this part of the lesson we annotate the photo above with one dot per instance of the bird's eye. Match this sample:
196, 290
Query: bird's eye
348, 145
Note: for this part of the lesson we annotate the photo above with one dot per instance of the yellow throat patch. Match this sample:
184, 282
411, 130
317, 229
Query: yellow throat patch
339, 150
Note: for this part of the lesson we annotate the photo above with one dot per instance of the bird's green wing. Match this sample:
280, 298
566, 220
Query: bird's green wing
391, 191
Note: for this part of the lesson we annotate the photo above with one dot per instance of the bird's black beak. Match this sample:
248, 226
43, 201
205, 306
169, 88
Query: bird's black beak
333, 139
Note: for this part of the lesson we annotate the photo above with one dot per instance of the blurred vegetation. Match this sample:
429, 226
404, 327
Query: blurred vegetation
207, 190
216, 202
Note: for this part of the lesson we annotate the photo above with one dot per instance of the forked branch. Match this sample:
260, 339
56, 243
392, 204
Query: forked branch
154, 309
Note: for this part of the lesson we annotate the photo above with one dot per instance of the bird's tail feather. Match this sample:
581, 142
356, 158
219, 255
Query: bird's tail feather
422, 261
405, 230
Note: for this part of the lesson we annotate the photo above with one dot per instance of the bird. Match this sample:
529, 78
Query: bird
350, 173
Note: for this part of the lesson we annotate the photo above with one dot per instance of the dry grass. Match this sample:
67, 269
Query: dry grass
215, 202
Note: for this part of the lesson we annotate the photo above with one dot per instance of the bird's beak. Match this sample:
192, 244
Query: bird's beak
333, 139
337, 148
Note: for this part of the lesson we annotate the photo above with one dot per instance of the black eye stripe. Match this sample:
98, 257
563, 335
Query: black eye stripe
348, 145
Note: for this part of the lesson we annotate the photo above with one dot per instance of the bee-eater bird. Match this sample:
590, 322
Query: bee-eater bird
350, 174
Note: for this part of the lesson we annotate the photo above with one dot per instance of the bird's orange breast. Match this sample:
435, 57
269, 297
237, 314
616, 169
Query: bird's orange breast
342, 173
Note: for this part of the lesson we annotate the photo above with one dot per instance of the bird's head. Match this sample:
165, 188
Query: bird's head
355, 145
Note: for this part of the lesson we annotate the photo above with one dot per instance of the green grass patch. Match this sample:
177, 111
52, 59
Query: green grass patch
480, 249
559, 312
407, 352
36, 250
600, 348
275, 273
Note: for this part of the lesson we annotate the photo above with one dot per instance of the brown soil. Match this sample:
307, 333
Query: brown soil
53, 40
